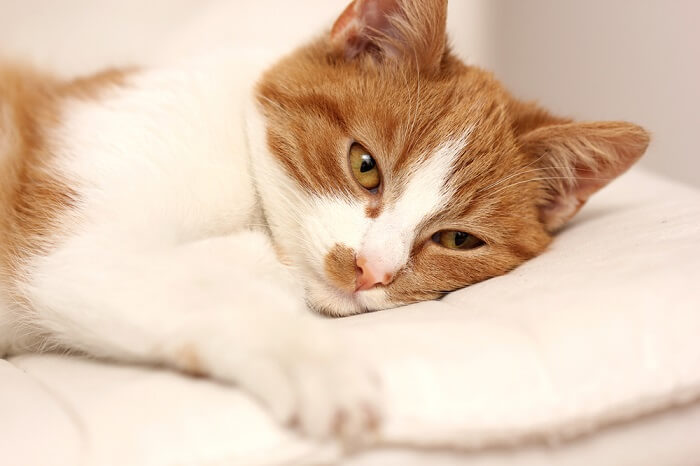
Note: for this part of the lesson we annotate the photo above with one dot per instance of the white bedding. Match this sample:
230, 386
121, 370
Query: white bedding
601, 330
574, 359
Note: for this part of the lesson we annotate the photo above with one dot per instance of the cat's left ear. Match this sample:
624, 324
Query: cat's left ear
578, 159
410, 29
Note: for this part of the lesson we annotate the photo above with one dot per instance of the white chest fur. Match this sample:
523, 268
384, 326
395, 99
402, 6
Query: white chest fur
165, 156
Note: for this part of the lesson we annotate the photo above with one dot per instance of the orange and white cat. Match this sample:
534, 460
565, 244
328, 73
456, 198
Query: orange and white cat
190, 216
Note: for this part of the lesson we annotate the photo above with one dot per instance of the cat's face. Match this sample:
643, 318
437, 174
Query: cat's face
393, 173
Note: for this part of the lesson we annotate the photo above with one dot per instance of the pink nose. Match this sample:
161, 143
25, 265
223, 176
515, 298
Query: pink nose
370, 274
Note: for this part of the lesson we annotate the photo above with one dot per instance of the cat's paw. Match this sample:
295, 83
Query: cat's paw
320, 386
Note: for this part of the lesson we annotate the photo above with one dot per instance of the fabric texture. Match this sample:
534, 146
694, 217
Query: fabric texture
586, 355
590, 339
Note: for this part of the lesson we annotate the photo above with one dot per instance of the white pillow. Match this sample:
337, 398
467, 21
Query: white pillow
601, 328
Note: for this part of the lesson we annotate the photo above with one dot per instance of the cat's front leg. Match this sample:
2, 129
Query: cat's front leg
305, 372
222, 307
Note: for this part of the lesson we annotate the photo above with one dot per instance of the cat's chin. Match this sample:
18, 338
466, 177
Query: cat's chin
328, 300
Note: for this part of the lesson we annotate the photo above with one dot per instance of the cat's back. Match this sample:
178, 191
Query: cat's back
123, 159
29, 194
170, 141
175, 121
152, 155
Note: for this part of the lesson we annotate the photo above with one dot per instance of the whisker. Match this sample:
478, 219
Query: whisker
415, 112
275, 104
407, 84
503, 180
548, 178
511, 176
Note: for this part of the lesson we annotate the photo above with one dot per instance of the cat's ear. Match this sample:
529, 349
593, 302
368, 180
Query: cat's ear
577, 159
410, 29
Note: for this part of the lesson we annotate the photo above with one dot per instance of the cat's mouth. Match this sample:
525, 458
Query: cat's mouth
332, 301
329, 300
340, 297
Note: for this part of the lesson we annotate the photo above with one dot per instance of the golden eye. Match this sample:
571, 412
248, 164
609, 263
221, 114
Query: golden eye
457, 240
364, 167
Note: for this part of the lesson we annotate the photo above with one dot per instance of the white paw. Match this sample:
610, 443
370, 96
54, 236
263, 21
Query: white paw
319, 385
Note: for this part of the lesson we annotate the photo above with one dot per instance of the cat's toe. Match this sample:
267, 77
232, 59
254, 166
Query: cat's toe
316, 381
341, 399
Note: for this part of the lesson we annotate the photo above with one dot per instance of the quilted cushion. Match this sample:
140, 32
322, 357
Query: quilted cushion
600, 330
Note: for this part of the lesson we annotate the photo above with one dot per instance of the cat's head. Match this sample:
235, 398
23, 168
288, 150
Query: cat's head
391, 172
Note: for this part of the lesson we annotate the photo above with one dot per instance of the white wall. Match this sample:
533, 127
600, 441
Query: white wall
637, 60
79, 36
593, 59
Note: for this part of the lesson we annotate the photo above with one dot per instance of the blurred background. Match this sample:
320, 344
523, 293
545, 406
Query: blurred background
595, 59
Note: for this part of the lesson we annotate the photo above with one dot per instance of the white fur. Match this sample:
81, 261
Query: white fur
167, 258
307, 227
312, 225
389, 238
162, 263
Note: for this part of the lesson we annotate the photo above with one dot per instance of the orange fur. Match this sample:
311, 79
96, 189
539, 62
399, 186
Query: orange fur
414, 31
32, 193
340, 267
383, 77
189, 361
394, 86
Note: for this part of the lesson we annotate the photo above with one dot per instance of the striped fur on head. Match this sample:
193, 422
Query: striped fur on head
456, 152
33, 196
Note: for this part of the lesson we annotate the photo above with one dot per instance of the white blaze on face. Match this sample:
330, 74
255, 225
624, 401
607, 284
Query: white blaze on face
315, 224
329, 221
387, 243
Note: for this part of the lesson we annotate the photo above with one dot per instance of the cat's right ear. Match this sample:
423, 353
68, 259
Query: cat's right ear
404, 29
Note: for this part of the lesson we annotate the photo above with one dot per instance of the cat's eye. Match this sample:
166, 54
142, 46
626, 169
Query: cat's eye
364, 167
452, 239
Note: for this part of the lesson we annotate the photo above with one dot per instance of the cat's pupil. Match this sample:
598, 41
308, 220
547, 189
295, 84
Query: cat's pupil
460, 238
368, 163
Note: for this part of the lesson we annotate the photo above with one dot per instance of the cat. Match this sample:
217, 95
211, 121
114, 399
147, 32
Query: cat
191, 216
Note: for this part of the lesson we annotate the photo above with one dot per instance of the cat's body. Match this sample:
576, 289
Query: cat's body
185, 217
159, 249
135, 142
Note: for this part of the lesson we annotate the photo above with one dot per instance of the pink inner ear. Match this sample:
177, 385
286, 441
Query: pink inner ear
362, 21
556, 213
565, 205
596, 152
